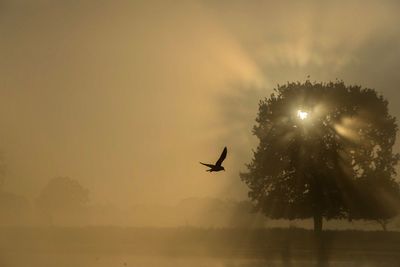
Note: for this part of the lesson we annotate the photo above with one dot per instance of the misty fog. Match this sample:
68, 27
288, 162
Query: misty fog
115, 103
127, 97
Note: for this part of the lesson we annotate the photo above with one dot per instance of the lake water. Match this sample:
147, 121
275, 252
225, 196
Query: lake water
96, 260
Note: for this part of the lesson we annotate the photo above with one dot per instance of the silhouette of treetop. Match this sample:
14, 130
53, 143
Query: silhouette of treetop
325, 151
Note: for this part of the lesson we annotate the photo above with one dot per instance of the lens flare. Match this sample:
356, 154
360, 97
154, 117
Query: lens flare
302, 114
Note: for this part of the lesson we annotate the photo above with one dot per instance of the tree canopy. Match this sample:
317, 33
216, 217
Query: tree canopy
325, 151
64, 198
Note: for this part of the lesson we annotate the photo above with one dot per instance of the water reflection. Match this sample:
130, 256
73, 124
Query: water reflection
90, 260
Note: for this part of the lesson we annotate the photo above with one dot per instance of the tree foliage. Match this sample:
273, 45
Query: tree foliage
63, 198
2, 170
336, 163
14, 209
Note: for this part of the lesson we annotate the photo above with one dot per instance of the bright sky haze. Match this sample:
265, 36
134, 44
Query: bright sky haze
128, 96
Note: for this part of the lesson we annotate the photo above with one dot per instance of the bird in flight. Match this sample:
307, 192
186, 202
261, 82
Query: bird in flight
218, 165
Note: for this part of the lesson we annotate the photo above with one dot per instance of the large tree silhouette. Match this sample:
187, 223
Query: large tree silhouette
325, 151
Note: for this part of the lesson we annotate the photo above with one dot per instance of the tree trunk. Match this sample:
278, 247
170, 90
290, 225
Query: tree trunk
383, 223
317, 200
317, 223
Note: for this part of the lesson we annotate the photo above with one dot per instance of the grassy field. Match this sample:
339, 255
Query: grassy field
102, 246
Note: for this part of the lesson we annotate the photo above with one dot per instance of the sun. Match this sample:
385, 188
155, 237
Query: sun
302, 114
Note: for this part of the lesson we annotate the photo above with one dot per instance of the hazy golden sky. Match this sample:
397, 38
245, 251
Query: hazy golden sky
128, 96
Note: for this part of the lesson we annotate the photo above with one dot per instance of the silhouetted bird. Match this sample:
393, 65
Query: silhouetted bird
218, 165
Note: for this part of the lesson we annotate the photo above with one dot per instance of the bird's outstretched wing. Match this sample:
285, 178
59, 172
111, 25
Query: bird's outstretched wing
222, 157
208, 165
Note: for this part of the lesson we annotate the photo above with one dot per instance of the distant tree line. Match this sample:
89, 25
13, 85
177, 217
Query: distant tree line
62, 201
